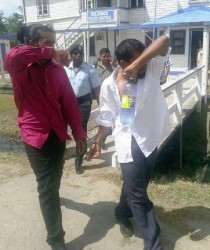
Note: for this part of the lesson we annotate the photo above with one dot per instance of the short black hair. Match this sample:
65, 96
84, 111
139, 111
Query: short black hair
22, 34
104, 50
126, 49
75, 49
32, 32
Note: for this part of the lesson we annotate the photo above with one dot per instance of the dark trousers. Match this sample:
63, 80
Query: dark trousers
85, 109
47, 164
134, 201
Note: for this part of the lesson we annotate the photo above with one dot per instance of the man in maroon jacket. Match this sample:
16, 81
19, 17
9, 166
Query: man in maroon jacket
46, 106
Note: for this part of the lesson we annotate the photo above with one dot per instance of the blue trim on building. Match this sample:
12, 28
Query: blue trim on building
8, 36
191, 16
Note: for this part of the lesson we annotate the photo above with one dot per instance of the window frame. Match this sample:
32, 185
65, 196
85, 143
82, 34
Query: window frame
92, 46
41, 8
137, 4
178, 41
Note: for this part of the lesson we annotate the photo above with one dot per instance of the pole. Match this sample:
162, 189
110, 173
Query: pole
118, 21
153, 34
1, 65
205, 60
88, 33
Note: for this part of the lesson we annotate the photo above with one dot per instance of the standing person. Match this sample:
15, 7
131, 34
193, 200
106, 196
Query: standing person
46, 104
136, 144
200, 54
85, 83
166, 70
104, 65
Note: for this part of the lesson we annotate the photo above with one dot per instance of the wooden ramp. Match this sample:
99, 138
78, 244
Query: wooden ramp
183, 95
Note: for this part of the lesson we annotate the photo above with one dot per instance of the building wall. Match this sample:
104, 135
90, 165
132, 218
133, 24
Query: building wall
64, 13
64, 8
164, 7
31, 11
57, 10
137, 16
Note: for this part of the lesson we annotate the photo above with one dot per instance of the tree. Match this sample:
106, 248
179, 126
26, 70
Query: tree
13, 22
2, 22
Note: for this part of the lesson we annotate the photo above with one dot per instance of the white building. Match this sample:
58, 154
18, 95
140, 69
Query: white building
107, 22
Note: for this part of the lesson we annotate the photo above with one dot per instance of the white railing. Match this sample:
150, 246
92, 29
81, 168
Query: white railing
183, 93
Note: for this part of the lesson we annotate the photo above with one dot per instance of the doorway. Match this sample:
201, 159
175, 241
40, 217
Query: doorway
196, 36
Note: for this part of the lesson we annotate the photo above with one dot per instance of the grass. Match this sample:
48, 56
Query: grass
9, 130
8, 117
194, 150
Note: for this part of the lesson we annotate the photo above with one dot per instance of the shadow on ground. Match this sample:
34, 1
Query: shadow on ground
188, 221
101, 220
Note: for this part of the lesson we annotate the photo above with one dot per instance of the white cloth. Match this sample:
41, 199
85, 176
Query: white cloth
151, 122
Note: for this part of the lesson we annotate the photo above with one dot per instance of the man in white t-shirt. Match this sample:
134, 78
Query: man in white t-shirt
136, 144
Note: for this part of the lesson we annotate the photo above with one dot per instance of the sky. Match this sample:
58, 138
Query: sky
10, 6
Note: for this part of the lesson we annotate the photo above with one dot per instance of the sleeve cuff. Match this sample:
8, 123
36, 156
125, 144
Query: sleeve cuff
48, 52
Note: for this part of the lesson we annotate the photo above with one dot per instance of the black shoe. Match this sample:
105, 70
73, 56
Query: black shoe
126, 228
58, 247
78, 166
78, 170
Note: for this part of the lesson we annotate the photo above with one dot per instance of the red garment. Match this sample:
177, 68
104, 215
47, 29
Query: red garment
43, 95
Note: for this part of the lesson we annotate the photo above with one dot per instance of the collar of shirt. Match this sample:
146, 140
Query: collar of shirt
71, 65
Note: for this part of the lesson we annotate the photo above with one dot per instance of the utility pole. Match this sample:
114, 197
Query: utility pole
1, 66
88, 33
118, 21
153, 34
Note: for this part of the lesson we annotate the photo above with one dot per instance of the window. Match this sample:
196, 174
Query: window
43, 7
104, 3
136, 3
177, 41
92, 45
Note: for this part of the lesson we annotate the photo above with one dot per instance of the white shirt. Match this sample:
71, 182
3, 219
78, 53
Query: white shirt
151, 122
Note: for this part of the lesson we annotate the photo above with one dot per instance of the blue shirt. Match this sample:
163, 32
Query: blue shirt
82, 80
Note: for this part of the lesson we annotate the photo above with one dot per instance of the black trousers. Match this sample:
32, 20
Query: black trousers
134, 201
47, 164
85, 109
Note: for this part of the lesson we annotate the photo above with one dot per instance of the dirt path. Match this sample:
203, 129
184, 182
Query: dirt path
88, 203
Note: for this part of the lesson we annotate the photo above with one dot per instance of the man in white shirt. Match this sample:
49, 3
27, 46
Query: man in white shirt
136, 144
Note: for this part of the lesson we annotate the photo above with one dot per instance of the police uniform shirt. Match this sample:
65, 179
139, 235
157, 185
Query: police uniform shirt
83, 79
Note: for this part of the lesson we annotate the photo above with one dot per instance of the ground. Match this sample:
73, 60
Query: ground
88, 203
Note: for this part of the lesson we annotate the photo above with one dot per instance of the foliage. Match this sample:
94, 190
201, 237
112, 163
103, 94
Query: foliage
11, 23
2, 22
